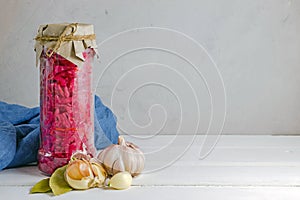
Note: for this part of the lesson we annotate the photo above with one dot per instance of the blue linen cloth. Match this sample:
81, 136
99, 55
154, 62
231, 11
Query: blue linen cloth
20, 130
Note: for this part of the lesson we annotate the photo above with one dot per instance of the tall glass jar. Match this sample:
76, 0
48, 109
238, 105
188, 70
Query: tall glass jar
66, 97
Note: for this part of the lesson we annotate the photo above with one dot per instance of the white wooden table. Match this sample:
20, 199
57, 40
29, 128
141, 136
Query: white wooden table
239, 167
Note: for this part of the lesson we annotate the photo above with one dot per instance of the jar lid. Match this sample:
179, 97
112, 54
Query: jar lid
69, 40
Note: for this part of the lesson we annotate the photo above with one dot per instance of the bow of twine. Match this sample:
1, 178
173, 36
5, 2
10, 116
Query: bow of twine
64, 37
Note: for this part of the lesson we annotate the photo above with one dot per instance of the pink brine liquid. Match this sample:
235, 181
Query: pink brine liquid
67, 110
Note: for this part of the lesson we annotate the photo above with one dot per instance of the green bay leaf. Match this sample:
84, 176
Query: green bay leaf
57, 181
41, 187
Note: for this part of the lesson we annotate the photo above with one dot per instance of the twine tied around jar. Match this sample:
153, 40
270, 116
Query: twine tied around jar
64, 37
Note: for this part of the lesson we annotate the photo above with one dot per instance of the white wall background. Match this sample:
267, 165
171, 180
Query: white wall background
255, 44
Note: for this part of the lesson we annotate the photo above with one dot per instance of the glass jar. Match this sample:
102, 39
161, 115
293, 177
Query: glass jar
66, 103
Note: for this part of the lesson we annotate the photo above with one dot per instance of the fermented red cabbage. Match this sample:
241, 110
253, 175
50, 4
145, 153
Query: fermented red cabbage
67, 115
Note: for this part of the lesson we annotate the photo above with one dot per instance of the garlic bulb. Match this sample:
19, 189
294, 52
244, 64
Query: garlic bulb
79, 174
80, 155
124, 156
82, 174
120, 181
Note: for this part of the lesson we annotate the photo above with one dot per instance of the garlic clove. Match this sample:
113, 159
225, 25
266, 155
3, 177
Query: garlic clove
79, 169
83, 184
121, 181
100, 174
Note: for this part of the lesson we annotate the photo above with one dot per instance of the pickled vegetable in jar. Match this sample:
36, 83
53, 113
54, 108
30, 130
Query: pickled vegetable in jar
65, 53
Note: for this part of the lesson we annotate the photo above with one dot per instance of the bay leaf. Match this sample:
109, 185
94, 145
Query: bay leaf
58, 183
41, 187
